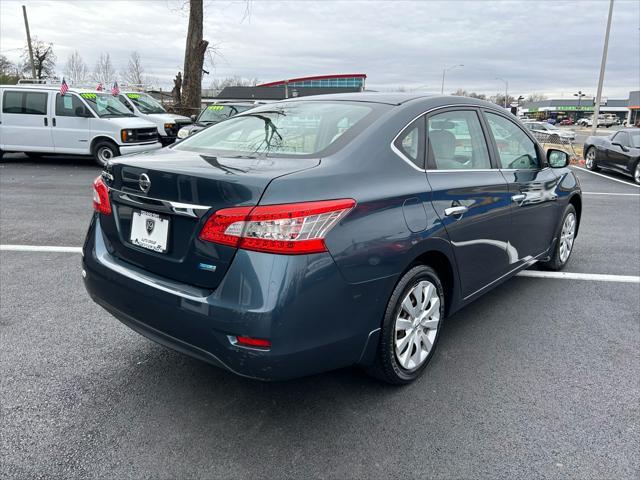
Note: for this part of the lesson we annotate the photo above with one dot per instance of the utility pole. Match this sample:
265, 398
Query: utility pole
444, 71
506, 90
26, 26
596, 107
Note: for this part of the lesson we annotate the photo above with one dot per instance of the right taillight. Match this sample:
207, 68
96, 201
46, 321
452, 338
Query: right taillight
101, 203
294, 228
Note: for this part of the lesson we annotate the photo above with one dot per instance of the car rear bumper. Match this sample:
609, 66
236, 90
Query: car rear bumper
314, 319
145, 147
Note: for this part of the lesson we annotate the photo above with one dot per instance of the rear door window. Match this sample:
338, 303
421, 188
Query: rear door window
515, 149
456, 141
25, 103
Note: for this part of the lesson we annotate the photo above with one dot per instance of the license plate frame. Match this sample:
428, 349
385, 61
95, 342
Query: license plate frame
150, 231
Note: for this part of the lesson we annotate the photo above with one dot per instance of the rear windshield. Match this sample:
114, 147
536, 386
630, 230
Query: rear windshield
218, 113
290, 128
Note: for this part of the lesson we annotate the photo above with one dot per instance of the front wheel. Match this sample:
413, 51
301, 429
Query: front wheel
104, 151
411, 327
636, 174
590, 160
564, 245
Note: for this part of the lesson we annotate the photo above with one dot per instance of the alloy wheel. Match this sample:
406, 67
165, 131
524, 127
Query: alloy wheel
104, 155
636, 175
567, 236
591, 158
417, 325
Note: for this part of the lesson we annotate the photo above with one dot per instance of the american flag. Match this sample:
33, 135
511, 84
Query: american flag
115, 90
99, 88
64, 88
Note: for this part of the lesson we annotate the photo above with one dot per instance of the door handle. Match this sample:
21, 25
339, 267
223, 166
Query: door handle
457, 210
53, 121
519, 198
46, 122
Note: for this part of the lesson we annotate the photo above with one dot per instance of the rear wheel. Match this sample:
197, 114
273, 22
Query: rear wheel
410, 328
636, 174
590, 159
103, 151
564, 245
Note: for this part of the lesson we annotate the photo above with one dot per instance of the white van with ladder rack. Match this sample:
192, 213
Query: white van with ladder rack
37, 119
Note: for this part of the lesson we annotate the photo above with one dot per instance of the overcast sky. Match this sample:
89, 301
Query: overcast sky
551, 47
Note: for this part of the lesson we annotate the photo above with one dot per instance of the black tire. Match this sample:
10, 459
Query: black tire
636, 173
591, 164
103, 151
557, 261
386, 366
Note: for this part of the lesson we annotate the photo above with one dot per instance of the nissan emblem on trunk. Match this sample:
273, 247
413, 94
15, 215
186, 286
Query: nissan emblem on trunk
144, 183
150, 224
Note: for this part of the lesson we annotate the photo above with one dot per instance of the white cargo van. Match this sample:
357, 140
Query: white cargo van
145, 106
37, 119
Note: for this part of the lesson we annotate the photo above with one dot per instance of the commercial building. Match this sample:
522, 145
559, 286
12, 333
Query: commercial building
297, 87
573, 108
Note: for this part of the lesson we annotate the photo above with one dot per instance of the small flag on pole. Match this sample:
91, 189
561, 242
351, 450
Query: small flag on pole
64, 88
115, 90
99, 88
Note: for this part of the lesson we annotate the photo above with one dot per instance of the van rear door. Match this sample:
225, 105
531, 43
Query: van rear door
26, 122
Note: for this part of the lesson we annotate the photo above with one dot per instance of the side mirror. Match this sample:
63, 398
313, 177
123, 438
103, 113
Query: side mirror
82, 112
193, 118
557, 158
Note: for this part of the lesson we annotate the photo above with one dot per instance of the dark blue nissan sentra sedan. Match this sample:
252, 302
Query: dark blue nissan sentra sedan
321, 232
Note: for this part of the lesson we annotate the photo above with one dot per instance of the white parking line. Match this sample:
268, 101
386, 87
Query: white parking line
597, 277
606, 176
39, 248
616, 194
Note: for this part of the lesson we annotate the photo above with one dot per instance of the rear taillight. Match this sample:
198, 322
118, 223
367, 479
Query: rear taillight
294, 228
101, 203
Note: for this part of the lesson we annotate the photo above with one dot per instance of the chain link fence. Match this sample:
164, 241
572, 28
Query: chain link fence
554, 140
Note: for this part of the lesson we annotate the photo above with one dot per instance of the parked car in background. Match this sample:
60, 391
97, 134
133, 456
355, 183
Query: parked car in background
619, 151
550, 121
145, 106
603, 121
38, 119
548, 133
567, 121
321, 232
215, 113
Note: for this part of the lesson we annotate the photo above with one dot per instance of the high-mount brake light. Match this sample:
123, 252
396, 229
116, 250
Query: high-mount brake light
293, 228
101, 202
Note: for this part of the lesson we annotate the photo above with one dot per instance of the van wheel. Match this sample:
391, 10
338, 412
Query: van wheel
34, 155
410, 328
566, 237
103, 151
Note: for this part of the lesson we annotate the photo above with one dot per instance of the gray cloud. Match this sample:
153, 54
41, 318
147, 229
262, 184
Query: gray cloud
550, 47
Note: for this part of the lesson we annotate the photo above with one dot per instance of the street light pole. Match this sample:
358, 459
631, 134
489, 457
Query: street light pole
444, 71
596, 109
579, 95
506, 90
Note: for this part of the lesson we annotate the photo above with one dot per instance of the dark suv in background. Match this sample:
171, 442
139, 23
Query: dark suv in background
317, 233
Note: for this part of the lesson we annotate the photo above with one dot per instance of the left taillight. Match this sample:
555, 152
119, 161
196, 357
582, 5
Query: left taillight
294, 228
101, 203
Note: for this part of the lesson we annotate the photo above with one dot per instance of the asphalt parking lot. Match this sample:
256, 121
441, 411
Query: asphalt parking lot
538, 379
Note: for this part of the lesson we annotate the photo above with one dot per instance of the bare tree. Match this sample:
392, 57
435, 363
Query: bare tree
9, 71
536, 97
195, 50
43, 58
104, 72
235, 81
135, 72
76, 71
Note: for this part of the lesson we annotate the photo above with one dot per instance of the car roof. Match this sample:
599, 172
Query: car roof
369, 97
49, 87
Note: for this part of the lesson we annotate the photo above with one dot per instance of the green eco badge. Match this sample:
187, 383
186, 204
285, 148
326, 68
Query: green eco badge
215, 107
88, 96
133, 95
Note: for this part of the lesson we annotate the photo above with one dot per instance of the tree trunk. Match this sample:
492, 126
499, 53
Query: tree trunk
194, 53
